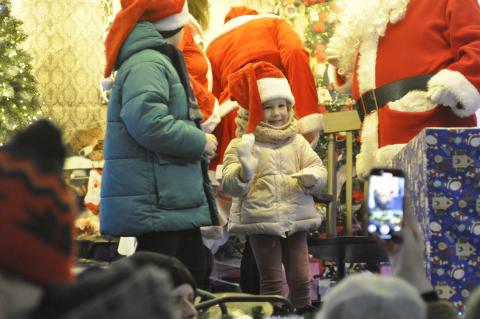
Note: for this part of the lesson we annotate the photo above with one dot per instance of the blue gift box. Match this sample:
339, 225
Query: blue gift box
442, 167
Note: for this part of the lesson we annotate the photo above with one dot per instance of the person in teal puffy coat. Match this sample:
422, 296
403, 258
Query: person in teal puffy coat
155, 185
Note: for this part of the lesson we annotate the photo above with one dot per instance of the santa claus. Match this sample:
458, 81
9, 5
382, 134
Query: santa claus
409, 64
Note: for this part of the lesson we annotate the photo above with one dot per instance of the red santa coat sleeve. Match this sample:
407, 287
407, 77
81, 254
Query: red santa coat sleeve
197, 66
195, 59
295, 60
216, 87
462, 76
463, 19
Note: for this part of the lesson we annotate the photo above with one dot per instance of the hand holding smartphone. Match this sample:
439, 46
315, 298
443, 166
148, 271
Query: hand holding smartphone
386, 193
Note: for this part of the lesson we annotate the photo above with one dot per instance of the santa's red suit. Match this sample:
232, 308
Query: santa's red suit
380, 42
200, 75
250, 37
197, 66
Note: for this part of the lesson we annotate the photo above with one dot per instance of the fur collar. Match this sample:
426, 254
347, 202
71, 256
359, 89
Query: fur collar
362, 21
276, 135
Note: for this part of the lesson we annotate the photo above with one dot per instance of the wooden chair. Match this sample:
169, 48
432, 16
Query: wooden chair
348, 248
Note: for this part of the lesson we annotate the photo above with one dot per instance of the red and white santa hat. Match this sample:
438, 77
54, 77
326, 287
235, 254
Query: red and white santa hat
255, 84
166, 15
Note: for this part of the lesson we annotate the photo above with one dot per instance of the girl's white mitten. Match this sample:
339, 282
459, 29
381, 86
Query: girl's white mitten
246, 157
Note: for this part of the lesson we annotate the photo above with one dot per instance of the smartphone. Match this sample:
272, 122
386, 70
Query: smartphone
386, 194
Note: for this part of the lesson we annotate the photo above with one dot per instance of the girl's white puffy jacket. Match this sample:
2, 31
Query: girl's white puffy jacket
273, 202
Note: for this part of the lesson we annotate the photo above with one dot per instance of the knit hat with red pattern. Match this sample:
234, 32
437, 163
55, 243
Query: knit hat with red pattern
37, 209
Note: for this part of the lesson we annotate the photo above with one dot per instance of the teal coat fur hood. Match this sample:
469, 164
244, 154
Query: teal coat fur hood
154, 178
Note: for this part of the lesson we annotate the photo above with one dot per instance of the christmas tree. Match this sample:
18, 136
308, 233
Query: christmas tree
19, 103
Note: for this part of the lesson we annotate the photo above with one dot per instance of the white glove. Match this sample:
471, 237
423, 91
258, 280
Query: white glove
248, 160
210, 148
440, 94
308, 179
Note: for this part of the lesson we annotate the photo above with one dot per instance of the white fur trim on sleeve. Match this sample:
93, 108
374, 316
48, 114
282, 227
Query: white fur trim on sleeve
211, 123
310, 123
227, 107
385, 155
461, 87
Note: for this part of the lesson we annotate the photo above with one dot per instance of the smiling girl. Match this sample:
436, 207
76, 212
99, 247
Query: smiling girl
272, 173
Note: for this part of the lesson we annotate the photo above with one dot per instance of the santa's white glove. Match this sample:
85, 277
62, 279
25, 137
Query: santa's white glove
440, 94
248, 156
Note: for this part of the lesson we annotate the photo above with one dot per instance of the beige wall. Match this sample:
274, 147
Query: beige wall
65, 42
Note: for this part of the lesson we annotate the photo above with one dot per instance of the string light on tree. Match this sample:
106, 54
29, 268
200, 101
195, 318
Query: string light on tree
18, 92
315, 20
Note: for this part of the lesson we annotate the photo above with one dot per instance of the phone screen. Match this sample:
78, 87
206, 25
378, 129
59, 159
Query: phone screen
386, 190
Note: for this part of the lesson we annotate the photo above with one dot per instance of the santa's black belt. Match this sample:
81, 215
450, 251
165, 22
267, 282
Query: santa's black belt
375, 99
